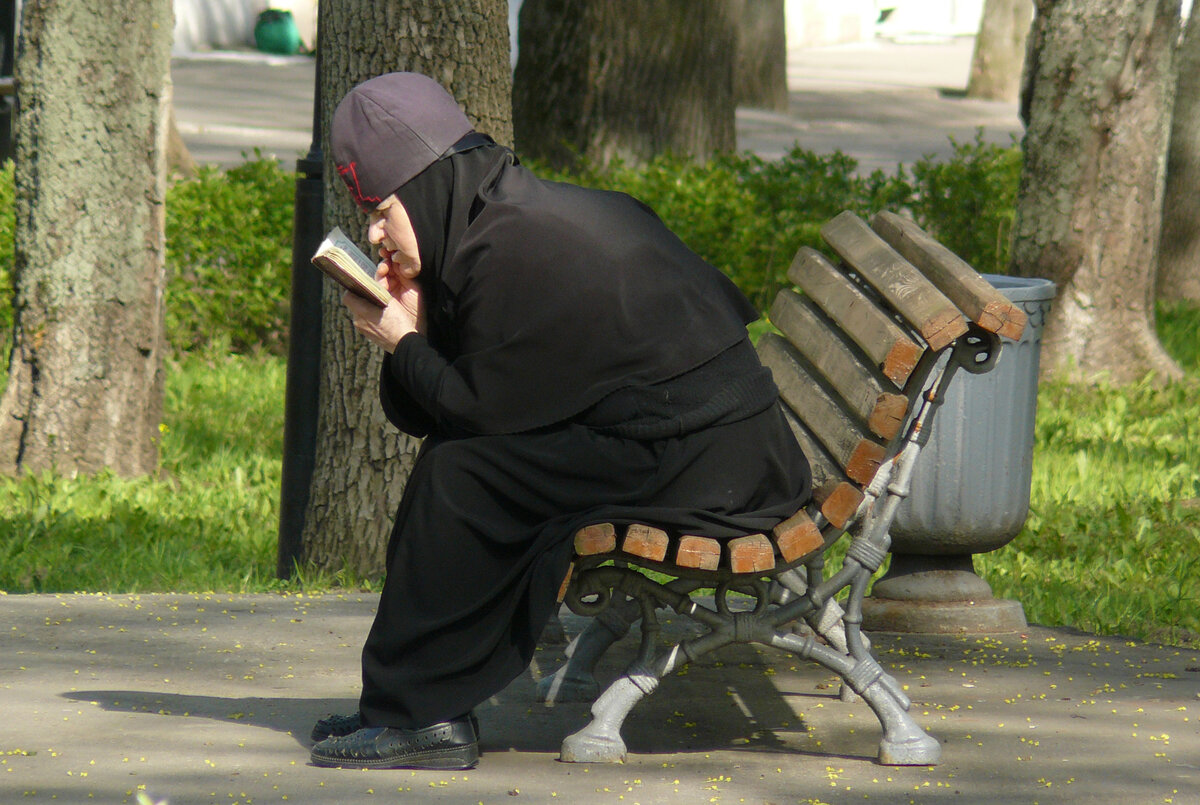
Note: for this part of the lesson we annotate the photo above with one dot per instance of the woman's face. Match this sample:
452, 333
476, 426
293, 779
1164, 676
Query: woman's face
392, 231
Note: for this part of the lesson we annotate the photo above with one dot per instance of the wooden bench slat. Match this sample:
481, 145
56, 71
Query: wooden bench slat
596, 539
914, 297
802, 324
646, 541
823, 467
752, 554
880, 338
839, 500
797, 536
836, 497
853, 450
701, 553
963, 285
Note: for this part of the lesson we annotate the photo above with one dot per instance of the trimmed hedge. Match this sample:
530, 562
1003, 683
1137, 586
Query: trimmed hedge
229, 232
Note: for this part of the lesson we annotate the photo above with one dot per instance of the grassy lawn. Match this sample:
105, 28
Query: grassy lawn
1112, 544
207, 522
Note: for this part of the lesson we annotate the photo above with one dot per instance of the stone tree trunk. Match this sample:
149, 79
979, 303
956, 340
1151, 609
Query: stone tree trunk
1000, 50
1179, 247
361, 461
85, 383
760, 73
599, 80
1096, 105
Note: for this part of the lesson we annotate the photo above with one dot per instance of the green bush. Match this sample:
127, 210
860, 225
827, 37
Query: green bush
229, 232
748, 216
1179, 331
968, 202
229, 257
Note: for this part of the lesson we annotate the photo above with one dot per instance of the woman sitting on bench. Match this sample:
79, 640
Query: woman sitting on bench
569, 361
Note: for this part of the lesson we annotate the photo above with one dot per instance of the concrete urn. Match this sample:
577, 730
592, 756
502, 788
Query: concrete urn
970, 491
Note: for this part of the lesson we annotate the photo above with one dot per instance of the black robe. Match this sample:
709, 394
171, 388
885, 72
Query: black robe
581, 366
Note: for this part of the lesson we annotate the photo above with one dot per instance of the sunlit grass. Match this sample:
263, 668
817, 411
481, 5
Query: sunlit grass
208, 521
1112, 543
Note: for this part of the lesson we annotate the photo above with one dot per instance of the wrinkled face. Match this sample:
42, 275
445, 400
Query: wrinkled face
392, 231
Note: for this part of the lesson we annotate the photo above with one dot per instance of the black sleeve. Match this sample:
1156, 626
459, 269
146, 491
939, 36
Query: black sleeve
402, 408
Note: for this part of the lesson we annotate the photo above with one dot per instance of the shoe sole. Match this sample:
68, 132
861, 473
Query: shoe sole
460, 757
318, 735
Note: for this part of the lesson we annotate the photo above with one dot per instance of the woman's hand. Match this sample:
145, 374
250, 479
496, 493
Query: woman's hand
386, 326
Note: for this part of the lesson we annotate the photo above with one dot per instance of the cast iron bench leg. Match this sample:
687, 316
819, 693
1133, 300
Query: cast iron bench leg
904, 743
600, 741
575, 681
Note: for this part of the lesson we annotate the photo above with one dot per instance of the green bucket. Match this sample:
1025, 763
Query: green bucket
276, 32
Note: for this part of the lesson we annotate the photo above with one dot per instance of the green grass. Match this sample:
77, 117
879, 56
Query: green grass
1112, 544
207, 522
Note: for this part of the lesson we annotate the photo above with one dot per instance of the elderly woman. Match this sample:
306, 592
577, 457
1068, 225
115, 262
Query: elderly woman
569, 361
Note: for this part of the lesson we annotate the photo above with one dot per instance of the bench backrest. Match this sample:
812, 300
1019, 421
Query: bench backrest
858, 343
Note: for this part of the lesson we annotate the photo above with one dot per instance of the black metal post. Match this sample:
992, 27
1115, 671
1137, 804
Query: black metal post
8, 51
304, 350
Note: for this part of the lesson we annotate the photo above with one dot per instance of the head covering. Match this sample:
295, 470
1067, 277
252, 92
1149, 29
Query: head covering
391, 128
441, 202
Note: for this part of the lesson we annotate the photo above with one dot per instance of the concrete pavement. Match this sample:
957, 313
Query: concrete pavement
227, 104
881, 102
209, 699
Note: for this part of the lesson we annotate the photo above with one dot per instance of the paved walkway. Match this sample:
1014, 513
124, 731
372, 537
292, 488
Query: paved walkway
881, 102
209, 699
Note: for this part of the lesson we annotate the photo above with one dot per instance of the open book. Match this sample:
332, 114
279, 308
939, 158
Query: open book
344, 262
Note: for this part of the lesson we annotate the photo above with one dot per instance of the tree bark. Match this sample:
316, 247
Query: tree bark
85, 381
1000, 50
760, 74
1179, 246
599, 80
1090, 202
361, 461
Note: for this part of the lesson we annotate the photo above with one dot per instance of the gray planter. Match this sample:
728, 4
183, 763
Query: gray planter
970, 491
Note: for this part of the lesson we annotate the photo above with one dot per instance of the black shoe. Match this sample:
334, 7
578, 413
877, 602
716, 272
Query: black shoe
336, 726
452, 744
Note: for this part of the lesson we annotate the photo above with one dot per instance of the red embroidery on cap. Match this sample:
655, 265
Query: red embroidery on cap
350, 177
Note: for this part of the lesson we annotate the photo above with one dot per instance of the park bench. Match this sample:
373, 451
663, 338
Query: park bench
867, 351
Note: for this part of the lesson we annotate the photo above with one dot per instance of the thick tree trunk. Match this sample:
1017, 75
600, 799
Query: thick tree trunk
1096, 103
760, 74
361, 461
599, 80
1179, 247
1000, 50
85, 382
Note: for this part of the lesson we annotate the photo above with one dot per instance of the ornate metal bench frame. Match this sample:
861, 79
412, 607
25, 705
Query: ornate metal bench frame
784, 574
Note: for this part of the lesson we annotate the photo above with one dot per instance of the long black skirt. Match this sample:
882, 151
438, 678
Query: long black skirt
483, 538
